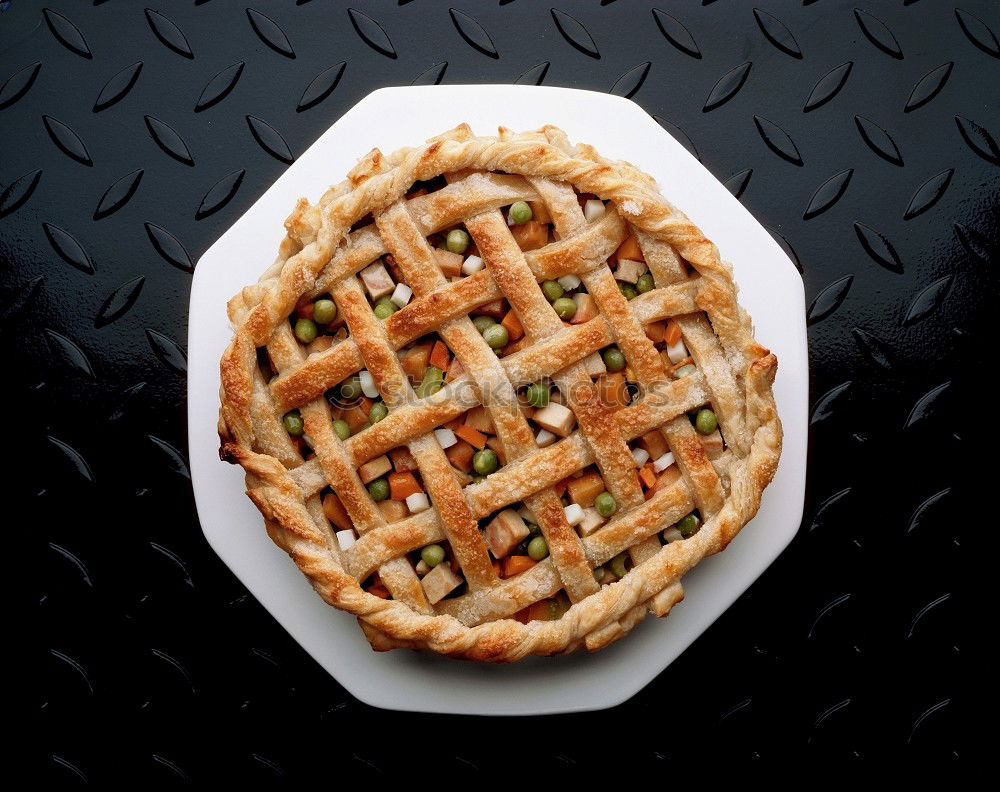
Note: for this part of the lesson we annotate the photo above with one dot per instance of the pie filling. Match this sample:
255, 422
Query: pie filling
470, 442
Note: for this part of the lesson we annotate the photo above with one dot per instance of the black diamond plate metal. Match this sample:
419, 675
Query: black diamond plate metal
865, 137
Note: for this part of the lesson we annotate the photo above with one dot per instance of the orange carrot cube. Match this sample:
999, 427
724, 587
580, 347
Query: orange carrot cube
460, 455
336, 513
584, 489
402, 484
513, 325
531, 235
440, 357
472, 436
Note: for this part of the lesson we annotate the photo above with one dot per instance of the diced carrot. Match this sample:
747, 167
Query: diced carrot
673, 333
497, 309
440, 356
647, 475
515, 565
455, 369
355, 418
542, 611
513, 325
366, 405
378, 590
665, 479
613, 392
585, 488
460, 455
629, 249
304, 311
497, 445
454, 423
531, 235
586, 308
479, 418
654, 443
335, 512
402, 484
654, 331
471, 435
414, 362
540, 212
393, 510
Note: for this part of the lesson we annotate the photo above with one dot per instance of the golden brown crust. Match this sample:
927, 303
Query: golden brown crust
321, 254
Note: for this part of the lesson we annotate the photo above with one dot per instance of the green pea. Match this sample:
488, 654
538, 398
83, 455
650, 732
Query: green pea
496, 336
706, 422
538, 394
565, 307
688, 525
458, 240
324, 311
628, 290
538, 548
605, 504
379, 489
341, 428
431, 383
485, 462
377, 412
552, 290
685, 371
645, 283
482, 322
533, 529
294, 424
598, 573
385, 308
432, 555
350, 389
476, 479
613, 358
306, 330
553, 610
520, 212
618, 565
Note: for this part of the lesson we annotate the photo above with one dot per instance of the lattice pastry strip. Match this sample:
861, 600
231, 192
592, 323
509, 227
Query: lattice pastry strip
650, 331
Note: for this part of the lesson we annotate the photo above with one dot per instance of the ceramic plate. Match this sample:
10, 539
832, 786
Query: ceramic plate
770, 288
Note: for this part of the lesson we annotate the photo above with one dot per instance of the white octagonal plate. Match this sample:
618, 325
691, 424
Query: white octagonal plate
770, 288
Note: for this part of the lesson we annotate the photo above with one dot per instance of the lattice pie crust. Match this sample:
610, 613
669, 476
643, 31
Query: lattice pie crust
644, 281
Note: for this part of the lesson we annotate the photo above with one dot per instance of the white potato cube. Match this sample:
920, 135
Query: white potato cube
663, 462
472, 265
593, 209
640, 455
677, 352
568, 282
672, 535
417, 502
593, 364
445, 437
544, 438
368, 386
574, 513
401, 295
422, 568
346, 538
557, 418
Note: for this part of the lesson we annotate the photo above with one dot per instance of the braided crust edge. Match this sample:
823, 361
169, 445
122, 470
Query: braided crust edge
390, 623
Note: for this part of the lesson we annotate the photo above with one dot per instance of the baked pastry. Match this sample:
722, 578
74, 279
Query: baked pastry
496, 396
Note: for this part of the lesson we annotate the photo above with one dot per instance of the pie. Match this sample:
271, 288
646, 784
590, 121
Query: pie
496, 396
